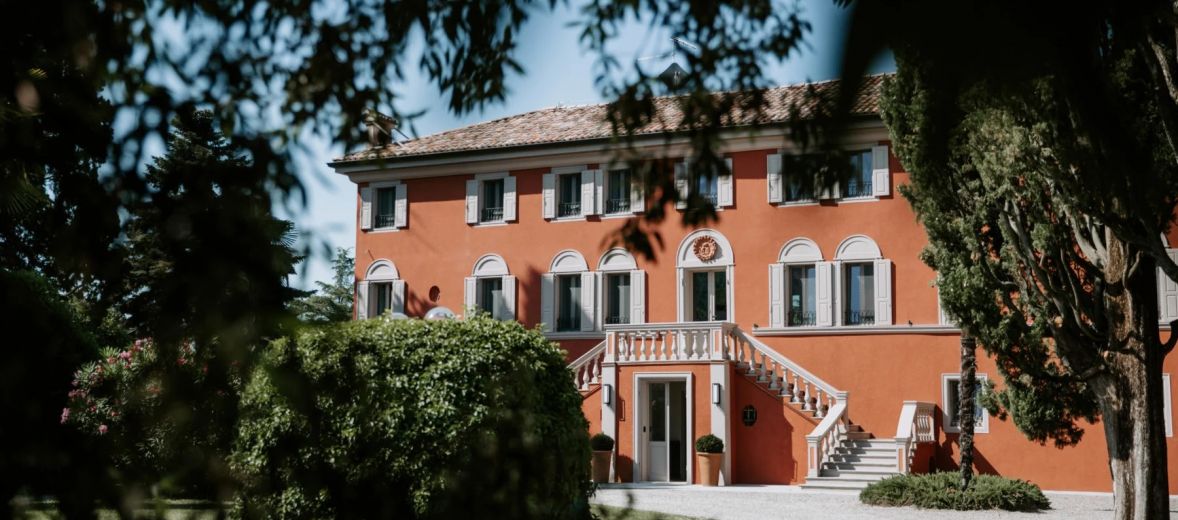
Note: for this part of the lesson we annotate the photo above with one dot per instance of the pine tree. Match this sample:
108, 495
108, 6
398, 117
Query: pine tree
331, 302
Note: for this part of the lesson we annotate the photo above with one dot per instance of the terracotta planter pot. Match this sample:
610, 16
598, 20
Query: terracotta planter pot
709, 468
601, 460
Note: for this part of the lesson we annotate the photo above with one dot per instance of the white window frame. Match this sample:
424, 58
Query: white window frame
725, 184
1166, 405
862, 249
569, 262
1167, 293
946, 415
491, 266
474, 202
686, 263
797, 252
635, 191
369, 202
881, 185
619, 261
380, 272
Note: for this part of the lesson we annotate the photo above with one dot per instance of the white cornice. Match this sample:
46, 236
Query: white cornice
576, 153
856, 330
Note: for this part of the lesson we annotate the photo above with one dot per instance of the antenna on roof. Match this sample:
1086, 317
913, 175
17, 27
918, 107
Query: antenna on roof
674, 75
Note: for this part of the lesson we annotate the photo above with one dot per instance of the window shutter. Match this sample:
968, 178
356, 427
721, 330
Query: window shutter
776, 295
547, 297
588, 301
472, 202
773, 177
401, 210
470, 299
724, 185
509, 199
880, 172
588, 192
599, 191
637, 193
1167, 293
638, 296
549, 195
399, 296
883, 292
681, 184
823, 293
362, 300
508, 299
942, 317
366, 208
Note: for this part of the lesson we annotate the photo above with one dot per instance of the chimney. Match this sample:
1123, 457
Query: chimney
380, 128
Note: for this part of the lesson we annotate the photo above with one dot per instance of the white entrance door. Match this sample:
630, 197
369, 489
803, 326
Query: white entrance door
665, 430
707, 296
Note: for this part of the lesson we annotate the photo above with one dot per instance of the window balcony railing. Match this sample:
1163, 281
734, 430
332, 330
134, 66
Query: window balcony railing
491, 215
568, 209
802, 318
616, 319
568, 323
710, 197
799, 194
858, 317
385, 221
617, 205
856, 188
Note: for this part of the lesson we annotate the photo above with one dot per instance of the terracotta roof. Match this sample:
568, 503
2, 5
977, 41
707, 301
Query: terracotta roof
570, 124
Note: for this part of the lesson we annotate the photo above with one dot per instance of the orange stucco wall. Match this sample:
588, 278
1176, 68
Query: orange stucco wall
438, 248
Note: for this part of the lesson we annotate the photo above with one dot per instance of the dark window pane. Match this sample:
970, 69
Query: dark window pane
569, 196
720, 295
383, 296
699, 297
618, 195
490, 297
858, 184
801, 287
568, 301
617, 287
491, 201
386, 202
658, 412
859, 294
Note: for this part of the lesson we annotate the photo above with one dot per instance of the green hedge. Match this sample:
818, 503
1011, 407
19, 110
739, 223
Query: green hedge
413, 419
941, 491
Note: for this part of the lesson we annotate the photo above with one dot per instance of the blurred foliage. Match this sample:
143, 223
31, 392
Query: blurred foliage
45, 341
413, 419
330, 302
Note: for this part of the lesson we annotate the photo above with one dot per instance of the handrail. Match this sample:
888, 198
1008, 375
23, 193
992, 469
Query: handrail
916, 426
821, 441
786, 363
587, 368
682, 342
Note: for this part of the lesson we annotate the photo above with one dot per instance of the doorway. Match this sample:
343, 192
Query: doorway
707, 293
664, 431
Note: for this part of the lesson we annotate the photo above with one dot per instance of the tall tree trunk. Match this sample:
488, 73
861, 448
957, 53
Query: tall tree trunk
965, 406
1129, 390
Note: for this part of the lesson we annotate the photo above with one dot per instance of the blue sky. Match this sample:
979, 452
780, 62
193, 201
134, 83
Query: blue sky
557, 71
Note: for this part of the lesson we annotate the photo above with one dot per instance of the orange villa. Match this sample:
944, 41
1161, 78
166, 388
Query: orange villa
801, 328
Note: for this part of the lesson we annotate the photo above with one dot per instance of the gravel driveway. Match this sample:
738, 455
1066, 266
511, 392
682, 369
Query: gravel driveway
764, 502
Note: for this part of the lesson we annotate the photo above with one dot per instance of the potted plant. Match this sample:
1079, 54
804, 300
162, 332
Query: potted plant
603, 450
709, 450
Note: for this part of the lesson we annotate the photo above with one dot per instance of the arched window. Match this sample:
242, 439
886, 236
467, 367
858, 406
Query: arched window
491, 288
798, 295
704, 265
863, 283
623, 287
567, 294
381, 291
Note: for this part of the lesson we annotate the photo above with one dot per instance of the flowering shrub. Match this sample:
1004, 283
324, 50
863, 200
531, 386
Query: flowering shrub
122, 398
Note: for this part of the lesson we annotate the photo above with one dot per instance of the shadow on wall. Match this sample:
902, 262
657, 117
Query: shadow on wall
947, 457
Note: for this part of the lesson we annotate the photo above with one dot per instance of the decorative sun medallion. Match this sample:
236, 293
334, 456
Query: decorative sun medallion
705, 248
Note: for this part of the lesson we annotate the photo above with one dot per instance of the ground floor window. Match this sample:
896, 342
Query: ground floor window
490, 296
617, 298
951, 395
800, 286
568, 303
382, 296
858, 293
709, 296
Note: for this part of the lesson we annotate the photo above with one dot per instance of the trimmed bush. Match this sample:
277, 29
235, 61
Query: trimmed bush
601, 442
709, 444
413, 419
941, 491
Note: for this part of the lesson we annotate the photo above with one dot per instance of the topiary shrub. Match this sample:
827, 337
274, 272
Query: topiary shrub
601, 442
412, 419
709, 444
942, 491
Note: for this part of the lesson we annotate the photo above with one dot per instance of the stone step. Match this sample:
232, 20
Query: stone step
854, 458
877, 464
859, 474
835, 483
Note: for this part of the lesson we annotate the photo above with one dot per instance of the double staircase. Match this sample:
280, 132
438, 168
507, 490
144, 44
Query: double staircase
841, 455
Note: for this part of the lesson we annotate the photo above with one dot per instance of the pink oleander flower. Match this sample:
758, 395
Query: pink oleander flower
65, 415
102, 429
125, 355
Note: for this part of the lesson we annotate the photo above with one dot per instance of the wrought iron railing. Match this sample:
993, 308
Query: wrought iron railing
802, 318
568, 209
856, 188
385, 220
568, 323
491, 214
858, 317
799, 193
617, 205
616, 319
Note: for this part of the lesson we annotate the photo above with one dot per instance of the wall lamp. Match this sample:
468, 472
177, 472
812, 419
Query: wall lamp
607, 394
715, 393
